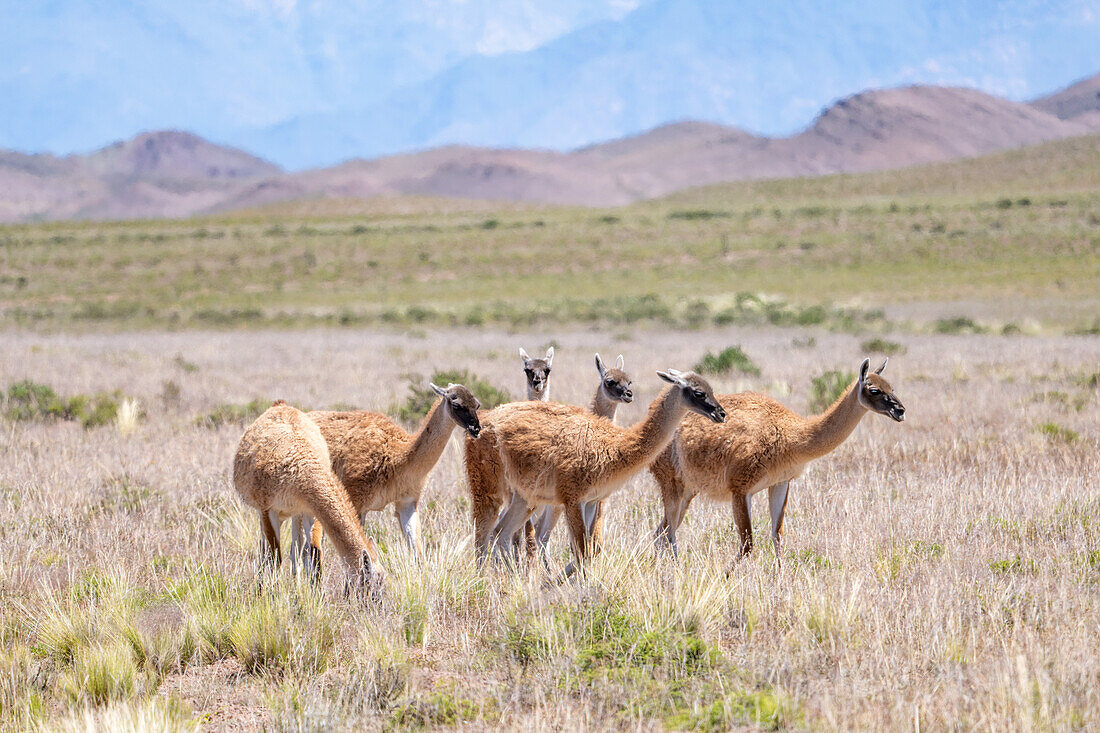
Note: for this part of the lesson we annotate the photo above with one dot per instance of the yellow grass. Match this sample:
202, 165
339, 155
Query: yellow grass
942, 573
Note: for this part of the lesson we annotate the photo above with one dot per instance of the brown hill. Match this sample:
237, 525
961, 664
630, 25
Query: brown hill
172, 174
1079, 102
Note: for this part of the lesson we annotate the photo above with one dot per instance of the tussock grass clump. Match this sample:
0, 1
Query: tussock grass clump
726, 360
441, 708
101, 673
761, 708
165, 715
233, 414
421, 397
27, 400
825, 389
281, 632
697, 214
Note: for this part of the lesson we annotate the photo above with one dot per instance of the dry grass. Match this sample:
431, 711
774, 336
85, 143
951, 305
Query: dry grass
941, 573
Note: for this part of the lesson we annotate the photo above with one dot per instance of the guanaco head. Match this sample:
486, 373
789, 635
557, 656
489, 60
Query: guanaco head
369, 578
696, 393
538, 373
614, 384
461, 406
876, 394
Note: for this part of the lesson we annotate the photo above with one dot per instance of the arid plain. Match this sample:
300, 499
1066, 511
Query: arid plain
940, 573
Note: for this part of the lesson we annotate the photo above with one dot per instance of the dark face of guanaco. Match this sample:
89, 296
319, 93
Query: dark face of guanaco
537, 372
876, 394
696, 393
614, 383
462, 407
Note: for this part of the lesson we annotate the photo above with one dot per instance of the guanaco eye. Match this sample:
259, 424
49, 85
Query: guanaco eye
872, 390
699, 393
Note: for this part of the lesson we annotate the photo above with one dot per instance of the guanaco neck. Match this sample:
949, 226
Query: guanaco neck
428, 443
641, 443
604, 406
822, 433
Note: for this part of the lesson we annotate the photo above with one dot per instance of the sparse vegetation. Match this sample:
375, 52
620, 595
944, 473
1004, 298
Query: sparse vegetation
421, 397
27, 400
1059, 433
726, 360
879, 345
233, 413
825, 389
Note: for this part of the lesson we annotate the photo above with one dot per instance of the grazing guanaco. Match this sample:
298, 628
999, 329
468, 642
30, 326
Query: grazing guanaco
378, 463
762, 445
282, 468
554, 454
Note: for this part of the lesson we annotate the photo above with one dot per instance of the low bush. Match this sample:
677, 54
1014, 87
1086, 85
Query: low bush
729, 358
879, 345
229, 414
828, 387
422, 397
28, 400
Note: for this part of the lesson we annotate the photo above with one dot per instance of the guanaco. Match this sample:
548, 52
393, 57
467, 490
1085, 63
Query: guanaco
763, 445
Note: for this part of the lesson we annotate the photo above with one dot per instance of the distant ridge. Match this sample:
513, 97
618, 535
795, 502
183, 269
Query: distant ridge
177, 174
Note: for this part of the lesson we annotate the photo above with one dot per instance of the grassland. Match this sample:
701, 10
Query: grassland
1011, 239
942, 573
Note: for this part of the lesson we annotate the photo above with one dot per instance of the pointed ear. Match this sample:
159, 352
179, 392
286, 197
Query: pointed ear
884, 363
550, 356
672, 377
523, 355
438, 390
599, 366
619, 363
863, 370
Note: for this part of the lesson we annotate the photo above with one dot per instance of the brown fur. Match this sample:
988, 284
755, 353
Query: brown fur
762, 445
378, 463
484, 470
282, 468
552, 454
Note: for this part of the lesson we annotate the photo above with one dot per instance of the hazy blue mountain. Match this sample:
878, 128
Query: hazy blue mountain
76, 75
311, 83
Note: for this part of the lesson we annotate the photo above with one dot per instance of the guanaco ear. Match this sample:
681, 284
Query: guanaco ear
863, 371
884, 362
599, 366
619, 363
438, 390
550, 356
523, 355
672, 377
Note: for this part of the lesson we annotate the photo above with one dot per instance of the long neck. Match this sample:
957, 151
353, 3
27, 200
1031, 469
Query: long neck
428, 443
543, 396
642, 442
604, 406
823, 433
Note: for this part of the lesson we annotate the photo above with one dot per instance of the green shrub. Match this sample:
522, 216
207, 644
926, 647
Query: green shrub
1054, 431
27, 400
697, 214
228, 414
957, 325
422, 397
827, 388
731, 357
761, 708
879, 345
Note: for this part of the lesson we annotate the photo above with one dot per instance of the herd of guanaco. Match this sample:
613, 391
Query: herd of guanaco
530, 462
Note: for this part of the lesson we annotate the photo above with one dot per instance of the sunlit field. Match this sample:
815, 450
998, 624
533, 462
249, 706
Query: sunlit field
1010, 241
941, 573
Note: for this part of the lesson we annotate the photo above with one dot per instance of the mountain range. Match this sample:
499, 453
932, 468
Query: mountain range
176, 174
308, 84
